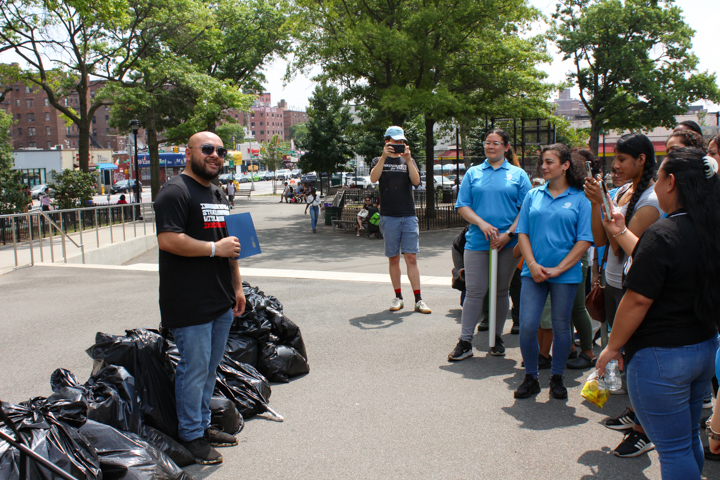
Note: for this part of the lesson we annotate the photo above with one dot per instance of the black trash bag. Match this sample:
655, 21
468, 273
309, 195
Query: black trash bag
242, 349
68, 405
177, 453
244, 385
125, 456
286, 331
50, 438
224, 415
110, 395
280, 362
143, 353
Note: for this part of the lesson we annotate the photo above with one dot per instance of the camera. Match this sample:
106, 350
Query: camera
398, 147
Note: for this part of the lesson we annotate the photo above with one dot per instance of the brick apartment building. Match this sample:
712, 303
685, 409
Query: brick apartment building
263, 120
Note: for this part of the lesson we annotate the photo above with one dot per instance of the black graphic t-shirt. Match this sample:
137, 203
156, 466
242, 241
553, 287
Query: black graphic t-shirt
396, 193
193, 290
665, 267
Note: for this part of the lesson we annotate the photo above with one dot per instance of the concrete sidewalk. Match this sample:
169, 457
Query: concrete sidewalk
380, 402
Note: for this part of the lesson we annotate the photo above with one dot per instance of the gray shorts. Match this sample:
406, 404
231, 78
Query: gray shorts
401, 235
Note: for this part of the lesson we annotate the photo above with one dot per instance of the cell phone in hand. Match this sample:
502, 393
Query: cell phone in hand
606, 204
398, 147
588, 168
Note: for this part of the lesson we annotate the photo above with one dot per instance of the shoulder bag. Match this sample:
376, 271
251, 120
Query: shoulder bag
595, 300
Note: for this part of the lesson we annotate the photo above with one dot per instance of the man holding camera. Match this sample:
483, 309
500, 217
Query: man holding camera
397, 173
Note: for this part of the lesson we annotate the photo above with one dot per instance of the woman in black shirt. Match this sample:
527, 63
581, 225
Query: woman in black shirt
667, 322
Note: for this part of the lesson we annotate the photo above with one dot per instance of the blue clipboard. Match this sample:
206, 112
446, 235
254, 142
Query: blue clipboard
241, 226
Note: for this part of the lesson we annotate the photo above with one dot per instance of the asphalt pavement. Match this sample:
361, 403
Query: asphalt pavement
380, 401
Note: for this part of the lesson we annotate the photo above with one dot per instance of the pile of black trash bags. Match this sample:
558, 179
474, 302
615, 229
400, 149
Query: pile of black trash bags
122, 422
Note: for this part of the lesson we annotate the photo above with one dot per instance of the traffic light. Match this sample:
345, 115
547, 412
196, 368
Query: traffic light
176, 150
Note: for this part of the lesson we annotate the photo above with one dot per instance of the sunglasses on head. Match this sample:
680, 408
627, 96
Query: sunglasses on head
208, 149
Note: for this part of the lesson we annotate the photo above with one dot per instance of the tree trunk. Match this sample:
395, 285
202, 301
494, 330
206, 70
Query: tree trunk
429, 167
594, 136
84, 146
153, 152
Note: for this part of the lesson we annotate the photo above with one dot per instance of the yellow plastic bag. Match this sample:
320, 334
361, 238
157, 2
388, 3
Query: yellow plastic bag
595, 390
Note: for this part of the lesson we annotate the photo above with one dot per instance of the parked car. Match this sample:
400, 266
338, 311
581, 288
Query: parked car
360, 182
241, 178
443, 182
296, 173
283, 174
123, 186
38, 189
225, 178
310, 178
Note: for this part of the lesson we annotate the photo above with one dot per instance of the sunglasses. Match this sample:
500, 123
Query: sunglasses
208, 149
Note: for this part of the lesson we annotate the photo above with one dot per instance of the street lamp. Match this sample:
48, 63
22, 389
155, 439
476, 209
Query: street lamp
135, 126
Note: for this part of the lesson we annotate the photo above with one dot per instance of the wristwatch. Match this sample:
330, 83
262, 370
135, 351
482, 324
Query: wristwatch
510, 234
711, 434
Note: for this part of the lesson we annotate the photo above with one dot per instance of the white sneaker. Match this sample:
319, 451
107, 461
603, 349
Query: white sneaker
397, 304
421, 307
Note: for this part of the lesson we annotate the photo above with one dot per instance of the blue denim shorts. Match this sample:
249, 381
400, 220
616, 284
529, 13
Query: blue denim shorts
401, 234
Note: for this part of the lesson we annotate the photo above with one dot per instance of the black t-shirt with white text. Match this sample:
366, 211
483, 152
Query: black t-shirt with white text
396, 193
665, 268
193, 290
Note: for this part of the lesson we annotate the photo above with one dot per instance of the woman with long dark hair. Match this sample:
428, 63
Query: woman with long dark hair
667, 323
636, 200
489, 199
554, 233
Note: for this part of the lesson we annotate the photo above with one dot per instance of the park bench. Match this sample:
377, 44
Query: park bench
242, 192
347, 220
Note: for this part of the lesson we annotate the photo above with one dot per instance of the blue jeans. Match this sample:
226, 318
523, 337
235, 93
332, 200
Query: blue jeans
532, 301
201, 349
666, 388
314, 216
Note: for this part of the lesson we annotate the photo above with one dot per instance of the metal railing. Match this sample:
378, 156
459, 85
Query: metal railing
25, 230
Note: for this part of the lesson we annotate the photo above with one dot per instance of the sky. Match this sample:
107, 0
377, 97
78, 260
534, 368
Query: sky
702, 15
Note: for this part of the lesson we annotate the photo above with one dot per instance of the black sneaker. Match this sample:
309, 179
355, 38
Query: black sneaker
499, 349
202, 451
624, 421
483, 327
529, 386
557, 388
544, 363
711, 456
634, 444
515, 330
462, 351
218, 438
572, 355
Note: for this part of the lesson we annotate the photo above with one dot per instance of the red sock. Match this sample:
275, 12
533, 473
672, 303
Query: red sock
398, 293
418, 297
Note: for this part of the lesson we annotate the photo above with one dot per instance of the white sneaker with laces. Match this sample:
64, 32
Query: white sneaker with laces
421, 307
397, 304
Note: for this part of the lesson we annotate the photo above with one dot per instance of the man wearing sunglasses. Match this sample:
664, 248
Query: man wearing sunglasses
200, 287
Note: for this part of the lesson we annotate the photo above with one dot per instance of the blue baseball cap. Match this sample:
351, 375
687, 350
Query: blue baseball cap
396, 133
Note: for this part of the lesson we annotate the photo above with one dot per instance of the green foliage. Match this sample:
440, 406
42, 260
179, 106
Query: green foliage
298, 132
227, 130
13, 195
271, 153
367, 137
326, 145
632, 62
6, 148
73, 188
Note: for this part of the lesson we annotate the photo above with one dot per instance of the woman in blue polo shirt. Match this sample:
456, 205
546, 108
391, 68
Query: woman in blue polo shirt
489, 199
554, 232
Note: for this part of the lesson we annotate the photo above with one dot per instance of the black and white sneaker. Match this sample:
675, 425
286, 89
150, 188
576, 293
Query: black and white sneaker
634, 444
624, 421
201, 450
462, 351
499, 349
218, 438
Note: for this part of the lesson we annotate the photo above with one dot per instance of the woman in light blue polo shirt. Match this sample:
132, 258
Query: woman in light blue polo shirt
490, 197
554, 232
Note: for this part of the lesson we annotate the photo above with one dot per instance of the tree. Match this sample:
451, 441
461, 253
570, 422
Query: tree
6, 148
440, 59
298, 132
73, 188
271, 154
632, 62
13, 196
326, 145
227, 131
64, 44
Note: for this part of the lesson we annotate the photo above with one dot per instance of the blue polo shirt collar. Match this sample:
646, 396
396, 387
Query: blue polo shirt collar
486, 164
569, 191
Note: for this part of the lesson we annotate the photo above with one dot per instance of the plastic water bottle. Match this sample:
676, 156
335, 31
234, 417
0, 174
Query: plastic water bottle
612, 376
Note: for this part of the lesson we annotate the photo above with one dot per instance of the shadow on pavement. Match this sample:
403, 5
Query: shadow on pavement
607, 466
540, 413
481, 366
379, 320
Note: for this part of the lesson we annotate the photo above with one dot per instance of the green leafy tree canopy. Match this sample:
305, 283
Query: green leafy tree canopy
73, 188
